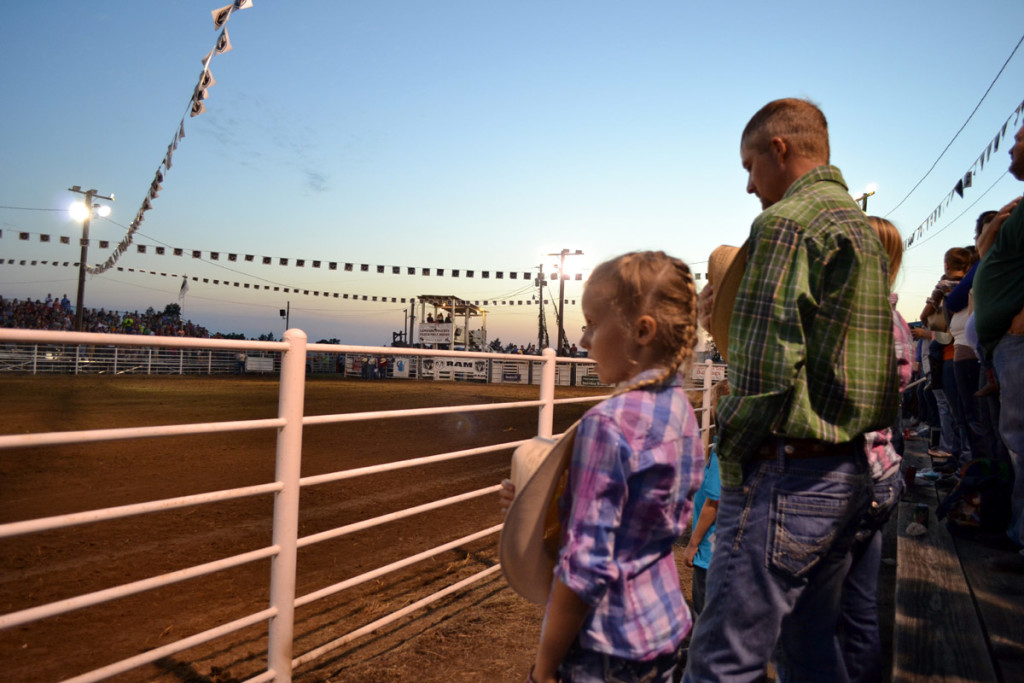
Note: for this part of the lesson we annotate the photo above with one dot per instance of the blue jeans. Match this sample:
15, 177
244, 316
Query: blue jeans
950, 434
781, 554
587, 666
858, 624
966, 373
1008, 361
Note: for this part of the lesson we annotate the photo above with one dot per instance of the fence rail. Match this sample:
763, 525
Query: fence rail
293, 362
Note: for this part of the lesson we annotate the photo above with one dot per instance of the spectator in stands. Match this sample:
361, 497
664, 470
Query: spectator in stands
858, 624
999, 322
956, 261
806, 384
983, 437
36, 315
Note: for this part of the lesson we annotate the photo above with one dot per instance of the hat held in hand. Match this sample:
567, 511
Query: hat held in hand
725, 271
528, 548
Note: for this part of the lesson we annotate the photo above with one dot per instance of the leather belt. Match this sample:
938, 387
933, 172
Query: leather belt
798, 449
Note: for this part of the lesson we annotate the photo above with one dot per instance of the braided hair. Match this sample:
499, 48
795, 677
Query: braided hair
658, 285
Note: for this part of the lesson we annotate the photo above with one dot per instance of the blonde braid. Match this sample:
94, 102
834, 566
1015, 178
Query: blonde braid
655, 284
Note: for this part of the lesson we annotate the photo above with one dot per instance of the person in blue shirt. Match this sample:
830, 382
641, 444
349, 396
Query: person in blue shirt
697, 553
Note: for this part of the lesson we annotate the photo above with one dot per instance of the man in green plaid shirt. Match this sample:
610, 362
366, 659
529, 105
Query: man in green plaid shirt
812, 367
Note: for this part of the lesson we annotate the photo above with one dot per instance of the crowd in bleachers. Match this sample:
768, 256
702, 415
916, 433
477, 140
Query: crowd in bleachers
58, 314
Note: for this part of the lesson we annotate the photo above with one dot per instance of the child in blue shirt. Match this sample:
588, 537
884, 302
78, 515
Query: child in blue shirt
697, 553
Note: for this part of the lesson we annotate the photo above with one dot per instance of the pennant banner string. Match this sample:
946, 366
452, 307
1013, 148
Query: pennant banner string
968, 178
185, 288
195, 108
973, 112
920, 230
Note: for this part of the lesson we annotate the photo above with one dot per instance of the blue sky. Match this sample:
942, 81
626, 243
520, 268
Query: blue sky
469, 135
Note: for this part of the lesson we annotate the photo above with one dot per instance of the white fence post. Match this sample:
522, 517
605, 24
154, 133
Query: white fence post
286, 506
546, 421
705, 414
35, 357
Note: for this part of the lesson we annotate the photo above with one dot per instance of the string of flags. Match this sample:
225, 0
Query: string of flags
352, 267
200, 93
184, 289
967, 180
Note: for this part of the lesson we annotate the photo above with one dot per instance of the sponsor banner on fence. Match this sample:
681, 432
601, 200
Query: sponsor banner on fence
433, 333
400, 368
435, 367
717, 372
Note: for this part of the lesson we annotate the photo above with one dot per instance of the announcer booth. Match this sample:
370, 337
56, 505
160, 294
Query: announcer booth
446, 322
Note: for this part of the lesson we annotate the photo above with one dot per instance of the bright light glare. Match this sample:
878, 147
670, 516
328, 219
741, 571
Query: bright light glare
102, 210
872, 187
78, 211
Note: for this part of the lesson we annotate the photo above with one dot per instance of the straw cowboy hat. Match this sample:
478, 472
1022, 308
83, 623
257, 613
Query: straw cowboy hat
530, 539
725, 270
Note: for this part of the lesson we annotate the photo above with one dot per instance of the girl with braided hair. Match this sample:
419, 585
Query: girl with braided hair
615, 610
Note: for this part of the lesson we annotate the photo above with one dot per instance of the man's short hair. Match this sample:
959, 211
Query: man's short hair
800, 122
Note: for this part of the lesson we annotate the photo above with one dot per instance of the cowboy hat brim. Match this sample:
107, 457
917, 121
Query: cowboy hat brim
726, 287
528, 547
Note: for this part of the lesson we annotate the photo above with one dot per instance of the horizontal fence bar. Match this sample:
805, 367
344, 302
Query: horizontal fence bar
415, 412
95, 598
177, 646
111, 339
384, 621
405, 464
76, 518
93, 435
392, 516
394, 566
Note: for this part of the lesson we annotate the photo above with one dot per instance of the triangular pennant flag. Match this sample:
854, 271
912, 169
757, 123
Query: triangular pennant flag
206, 60
959, 189
206, 80
968, 179
221, 16
181, 129
223, 43
243, 4
197, 109
167, 159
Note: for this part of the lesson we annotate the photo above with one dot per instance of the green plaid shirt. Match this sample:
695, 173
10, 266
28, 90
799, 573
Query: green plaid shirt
810, 341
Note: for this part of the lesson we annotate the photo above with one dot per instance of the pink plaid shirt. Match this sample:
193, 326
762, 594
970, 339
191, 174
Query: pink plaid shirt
882, 457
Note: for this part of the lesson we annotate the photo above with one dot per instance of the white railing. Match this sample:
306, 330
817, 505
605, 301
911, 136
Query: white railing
289, 423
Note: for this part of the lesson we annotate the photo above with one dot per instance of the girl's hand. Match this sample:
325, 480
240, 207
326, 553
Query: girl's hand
534, 677
688, 553
505, 495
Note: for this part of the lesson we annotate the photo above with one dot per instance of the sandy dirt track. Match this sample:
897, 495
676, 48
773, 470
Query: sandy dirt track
484, 633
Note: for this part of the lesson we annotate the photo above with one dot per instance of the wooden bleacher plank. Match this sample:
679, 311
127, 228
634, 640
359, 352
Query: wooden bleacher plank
998, 593
937, 634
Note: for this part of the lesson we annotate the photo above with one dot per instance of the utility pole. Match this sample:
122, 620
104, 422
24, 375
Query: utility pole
286, 313
89, 207
562, 339
542, 332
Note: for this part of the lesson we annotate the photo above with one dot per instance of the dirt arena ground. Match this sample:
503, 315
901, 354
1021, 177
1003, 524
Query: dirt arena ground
486, 633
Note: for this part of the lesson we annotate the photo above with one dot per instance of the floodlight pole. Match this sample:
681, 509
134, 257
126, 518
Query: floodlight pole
562, 340
540, 315
80, 299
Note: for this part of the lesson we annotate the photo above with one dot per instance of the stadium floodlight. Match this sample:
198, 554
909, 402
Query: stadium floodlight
82, 211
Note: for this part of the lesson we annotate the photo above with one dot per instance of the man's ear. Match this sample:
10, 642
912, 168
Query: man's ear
646, 330
780, 149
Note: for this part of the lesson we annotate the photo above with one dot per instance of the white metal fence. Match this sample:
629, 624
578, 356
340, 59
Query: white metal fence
195, 358
293, 355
